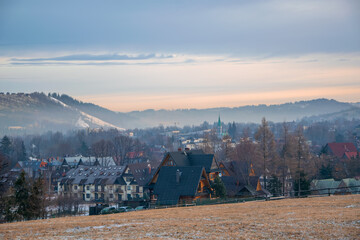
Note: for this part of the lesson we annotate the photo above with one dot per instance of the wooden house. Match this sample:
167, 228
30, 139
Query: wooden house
181, 185
189, 158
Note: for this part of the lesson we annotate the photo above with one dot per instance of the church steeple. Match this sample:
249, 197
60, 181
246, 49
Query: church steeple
219, 127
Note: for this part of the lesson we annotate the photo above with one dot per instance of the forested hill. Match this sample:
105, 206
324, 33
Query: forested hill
38, 112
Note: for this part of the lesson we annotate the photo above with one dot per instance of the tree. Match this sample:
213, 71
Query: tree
219, 188
122, 145
303, 190
274, 186
246, 155
84, 149
302, 153
232, 130
5, 146
21, 198
287, 153
325, 171
103, 149
266, 145
4, 164
37, 199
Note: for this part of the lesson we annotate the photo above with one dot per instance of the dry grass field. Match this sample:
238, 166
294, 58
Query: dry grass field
335, 217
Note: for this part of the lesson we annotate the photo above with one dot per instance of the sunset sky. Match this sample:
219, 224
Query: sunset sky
136, 55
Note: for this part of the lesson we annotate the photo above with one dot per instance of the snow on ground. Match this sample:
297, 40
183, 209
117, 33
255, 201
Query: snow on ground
85, 118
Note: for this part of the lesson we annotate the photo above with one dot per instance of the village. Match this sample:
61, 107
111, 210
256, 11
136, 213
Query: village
190, 175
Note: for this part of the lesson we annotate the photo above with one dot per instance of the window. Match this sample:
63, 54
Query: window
137, 188
88, 195
87, 187
96, 196
75, 187
119, 197
128, 187
111, 195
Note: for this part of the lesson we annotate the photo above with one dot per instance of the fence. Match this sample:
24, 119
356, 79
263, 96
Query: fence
303, 194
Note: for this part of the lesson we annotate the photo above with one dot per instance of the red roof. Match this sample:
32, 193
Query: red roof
350, 155
339, 149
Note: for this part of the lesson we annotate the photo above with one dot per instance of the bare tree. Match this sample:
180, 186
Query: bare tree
103, 149
122, 145
266, 145
302, 153
287, 153
247, 156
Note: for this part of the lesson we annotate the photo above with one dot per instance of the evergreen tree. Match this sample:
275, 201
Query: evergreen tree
22, 153
274, 186
326, 171
84, 149
5, 146
304, 185
21, 198
219, 187
36, 199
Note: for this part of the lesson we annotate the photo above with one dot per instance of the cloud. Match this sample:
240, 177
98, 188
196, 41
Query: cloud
91, 57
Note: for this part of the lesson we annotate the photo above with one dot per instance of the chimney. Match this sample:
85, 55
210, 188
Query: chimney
178, 175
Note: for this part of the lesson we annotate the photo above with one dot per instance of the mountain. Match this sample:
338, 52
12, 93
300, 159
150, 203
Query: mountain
276, 113
37, 112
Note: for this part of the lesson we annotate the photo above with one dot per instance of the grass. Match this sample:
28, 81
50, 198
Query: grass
334, 217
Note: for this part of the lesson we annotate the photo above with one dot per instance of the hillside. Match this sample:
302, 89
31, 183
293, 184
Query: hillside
36, 113
334, 217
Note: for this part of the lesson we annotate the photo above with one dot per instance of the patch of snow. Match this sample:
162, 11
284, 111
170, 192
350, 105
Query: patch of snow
99, 122
350, 206
84, 229
60, 102
81, 123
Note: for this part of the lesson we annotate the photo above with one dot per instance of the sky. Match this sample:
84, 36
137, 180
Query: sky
140, 54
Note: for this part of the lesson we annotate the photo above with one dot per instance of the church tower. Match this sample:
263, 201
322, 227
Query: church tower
219, 128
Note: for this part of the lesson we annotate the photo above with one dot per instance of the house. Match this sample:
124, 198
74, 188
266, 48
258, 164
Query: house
143, 172
135, 157
97, 183
324, 186
339, 149
189, 158
348, 186
240, 181
181, 185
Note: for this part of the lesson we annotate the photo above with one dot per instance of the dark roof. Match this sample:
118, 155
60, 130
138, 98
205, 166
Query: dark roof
94, 175
143, 172
169, 190
339, 149
234, 187
195, 158
239, 171
230, 183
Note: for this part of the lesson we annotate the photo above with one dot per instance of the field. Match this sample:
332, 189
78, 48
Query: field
334, 217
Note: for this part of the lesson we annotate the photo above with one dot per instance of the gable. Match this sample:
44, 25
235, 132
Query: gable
339, 149
167, 185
